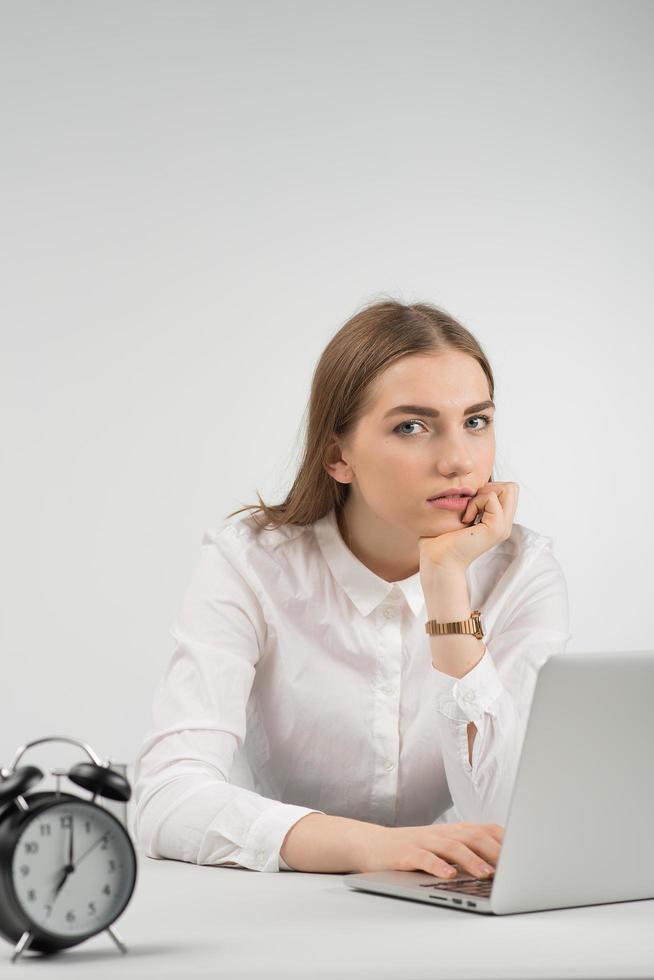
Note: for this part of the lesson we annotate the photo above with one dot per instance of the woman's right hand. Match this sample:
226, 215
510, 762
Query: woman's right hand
435, 848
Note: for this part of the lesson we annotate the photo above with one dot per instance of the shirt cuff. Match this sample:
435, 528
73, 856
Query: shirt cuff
267, 834
467, 698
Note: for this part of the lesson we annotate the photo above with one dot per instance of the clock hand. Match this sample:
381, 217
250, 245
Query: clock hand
62, 880
88, 850
70, 866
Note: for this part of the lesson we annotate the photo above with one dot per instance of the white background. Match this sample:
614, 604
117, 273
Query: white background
197, 195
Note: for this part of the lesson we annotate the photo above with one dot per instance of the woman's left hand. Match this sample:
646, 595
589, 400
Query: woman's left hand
497, 504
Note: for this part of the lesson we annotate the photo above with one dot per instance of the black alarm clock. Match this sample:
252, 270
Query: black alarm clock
67, 864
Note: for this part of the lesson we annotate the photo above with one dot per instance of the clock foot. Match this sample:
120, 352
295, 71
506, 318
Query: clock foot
22, 945
118, 941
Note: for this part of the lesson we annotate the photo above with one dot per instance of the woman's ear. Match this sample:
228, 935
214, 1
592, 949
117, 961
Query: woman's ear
334, 463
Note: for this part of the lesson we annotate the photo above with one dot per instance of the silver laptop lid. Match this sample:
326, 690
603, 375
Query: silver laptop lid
579, 825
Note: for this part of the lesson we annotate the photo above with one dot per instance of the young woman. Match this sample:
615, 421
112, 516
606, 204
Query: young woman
309, 719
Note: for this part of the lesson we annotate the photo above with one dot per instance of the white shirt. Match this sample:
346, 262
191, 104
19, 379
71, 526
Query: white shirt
302, 682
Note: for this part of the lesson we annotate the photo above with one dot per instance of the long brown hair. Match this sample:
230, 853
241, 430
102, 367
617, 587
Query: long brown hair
363, 348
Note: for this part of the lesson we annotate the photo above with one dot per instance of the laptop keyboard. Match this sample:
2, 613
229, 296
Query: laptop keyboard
469, 886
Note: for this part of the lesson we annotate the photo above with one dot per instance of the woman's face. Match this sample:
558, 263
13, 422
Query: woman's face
396, 460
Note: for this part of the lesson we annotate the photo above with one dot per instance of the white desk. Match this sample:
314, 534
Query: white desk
189, 921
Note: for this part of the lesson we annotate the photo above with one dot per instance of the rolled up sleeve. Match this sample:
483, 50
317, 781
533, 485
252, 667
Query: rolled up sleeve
185, 806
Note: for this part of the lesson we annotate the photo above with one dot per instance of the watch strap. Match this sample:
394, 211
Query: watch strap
471, 626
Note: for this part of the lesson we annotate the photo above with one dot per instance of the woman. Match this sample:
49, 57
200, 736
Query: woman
309, 719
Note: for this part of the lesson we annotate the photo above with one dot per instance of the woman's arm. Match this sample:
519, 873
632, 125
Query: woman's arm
491, 685
186, 806
320, 842
448, 601
186, 809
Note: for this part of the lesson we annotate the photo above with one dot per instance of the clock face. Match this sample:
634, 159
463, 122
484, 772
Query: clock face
96, 891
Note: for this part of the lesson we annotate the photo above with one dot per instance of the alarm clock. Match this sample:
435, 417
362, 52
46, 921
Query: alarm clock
67, 865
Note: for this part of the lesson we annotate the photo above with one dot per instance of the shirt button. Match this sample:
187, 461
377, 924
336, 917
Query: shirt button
388, 612
388, 689
388, 764
469, 695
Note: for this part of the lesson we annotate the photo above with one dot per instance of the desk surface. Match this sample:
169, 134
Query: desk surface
189, 921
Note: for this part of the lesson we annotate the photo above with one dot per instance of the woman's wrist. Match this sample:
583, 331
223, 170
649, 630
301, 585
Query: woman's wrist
320, 842
447, 600
446, 590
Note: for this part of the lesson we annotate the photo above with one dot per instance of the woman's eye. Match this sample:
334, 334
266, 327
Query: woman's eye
473, 418
404, 433
486, 418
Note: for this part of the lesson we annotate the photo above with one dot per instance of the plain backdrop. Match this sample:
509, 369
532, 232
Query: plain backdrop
197, 195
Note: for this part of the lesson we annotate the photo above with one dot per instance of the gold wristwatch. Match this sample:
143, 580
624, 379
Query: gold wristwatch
471, 626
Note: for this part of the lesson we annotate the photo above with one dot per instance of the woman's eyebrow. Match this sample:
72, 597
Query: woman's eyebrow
433, 412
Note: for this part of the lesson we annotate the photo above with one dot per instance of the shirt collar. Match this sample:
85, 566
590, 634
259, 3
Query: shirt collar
365, 589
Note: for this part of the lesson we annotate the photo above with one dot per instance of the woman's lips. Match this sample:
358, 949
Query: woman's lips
449, 503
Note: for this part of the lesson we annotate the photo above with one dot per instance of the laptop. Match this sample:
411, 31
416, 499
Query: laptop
579, 825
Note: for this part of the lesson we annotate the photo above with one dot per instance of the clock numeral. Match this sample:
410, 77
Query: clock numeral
31, 846
112, 864
45, 829
87, 825
24, 869
66, 820
70, 916
31, 894
91, 908
48, 909
105, 843
106, 890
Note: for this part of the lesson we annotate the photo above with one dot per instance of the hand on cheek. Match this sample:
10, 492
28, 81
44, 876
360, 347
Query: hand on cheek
470, 512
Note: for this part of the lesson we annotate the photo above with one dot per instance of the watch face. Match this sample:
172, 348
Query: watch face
82, 896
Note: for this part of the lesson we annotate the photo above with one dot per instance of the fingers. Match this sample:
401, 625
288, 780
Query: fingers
433, 865
469, 860
495, 830
471, 846
471, 510
487, 507
479, 503
487, 848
